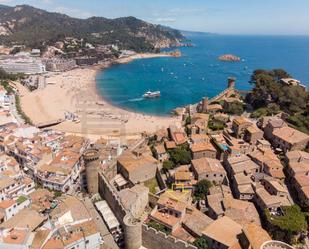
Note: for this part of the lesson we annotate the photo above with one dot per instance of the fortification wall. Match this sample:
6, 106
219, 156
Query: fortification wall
111, 197
153, 239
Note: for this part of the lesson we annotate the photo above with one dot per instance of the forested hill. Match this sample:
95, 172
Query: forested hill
33, 27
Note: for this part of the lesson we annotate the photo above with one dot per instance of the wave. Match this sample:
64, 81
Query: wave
136, 100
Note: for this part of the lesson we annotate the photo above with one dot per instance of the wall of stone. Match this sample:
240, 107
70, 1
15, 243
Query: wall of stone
153, 239
109, 194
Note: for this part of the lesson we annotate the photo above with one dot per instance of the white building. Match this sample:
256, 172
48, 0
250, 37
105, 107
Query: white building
22, 64
10, 208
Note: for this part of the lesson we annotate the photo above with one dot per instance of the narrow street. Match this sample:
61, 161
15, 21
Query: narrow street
109, 242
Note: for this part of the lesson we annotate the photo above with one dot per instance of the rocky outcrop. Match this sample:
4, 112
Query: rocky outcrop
229, 57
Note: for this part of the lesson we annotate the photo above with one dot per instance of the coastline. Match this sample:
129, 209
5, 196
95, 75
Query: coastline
76, 92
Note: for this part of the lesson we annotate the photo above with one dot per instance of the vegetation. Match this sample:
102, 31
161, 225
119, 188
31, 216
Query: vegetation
7, 76
201, 243
202, 189
3, 82
216, 125
38, 28
21, 199
188, 120
292, 222
152, 184
181, 155
235, 108
158, 227
168, 165
57, 194
270, 97
21, 112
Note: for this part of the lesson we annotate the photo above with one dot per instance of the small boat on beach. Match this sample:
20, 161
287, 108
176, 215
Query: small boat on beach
150, 95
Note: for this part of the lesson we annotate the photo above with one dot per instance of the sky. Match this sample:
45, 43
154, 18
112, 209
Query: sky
264, 17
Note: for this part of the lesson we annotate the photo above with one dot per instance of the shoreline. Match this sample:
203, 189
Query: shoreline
76, 92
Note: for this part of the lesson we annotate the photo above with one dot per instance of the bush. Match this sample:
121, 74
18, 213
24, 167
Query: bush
235, 108
159, 227
201, 243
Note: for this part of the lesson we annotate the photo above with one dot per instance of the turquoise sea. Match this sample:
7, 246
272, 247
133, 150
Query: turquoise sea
199, 73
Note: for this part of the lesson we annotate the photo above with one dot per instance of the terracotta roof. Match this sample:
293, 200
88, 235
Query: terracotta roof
242, 212
256, 235
297, 155
196, 221
16, 237
204, 165
26, 218
267, 198
290, 135
6, 182
253, 129
202, 146
170, 145
133, 163
241, 120
78, 232
183, 176
172, 203
302, 180
276, 185
7, 203
224, 230
165, 218
160, 149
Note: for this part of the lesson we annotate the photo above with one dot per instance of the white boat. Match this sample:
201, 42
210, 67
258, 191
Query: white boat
150, 94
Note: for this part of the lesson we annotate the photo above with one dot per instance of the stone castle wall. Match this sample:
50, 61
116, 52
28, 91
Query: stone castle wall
111, 197
153, 239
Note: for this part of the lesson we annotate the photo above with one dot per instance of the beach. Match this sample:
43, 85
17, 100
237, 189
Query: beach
74, 94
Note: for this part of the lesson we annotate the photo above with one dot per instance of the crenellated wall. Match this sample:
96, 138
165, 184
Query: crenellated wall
153, 239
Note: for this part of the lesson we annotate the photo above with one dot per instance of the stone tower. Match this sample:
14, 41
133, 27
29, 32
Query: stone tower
92, 163
231, 82
132, 232
205, 104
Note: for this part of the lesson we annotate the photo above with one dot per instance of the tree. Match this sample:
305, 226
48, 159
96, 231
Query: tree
236, 108
216, 125
270, 97
202, 189
180, 156
168, 165
201, 243
289, 225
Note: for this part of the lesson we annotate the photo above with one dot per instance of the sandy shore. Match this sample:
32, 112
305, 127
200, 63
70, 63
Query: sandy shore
75, 92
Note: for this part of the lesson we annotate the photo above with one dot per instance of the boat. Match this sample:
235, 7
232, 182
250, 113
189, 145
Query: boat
150, 94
